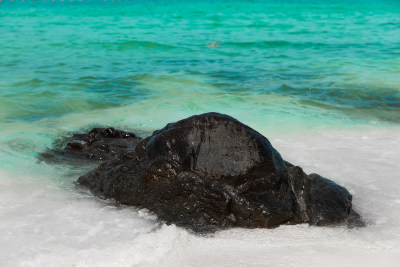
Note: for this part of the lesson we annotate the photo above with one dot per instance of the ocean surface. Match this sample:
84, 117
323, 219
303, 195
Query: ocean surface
320, 79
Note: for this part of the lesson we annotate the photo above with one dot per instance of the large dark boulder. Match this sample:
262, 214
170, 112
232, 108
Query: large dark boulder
210, 172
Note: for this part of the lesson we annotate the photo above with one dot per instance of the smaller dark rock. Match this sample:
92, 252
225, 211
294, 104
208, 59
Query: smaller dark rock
330, 203
101, 133
99, 145
321, 201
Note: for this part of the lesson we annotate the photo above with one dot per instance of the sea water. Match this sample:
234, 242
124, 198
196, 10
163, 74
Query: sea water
320, 79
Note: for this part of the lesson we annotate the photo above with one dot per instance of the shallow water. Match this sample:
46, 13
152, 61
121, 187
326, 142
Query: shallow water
320, 80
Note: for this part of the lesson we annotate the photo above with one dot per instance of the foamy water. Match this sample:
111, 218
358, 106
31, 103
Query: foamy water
47, 222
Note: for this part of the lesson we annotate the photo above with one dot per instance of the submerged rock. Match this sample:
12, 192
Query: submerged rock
100, 144
211, 171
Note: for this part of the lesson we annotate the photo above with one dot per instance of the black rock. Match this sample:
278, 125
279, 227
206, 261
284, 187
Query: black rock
100, 144
210, 172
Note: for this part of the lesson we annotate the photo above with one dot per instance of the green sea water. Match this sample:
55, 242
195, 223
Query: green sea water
292, 63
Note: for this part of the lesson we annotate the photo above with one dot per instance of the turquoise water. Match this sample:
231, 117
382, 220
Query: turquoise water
306, 62
321, 79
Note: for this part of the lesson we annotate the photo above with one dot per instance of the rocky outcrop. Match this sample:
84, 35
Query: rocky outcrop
100, 144
210, 172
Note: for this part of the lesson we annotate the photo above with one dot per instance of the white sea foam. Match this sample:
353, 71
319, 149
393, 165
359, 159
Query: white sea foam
44, 222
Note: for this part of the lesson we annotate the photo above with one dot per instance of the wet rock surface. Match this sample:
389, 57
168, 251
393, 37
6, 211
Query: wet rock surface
210, 172
100, 144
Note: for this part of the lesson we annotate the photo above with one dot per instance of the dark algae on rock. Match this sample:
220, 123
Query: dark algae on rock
210, 172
